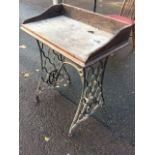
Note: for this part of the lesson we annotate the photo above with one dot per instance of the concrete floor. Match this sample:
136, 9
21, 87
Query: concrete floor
44, 126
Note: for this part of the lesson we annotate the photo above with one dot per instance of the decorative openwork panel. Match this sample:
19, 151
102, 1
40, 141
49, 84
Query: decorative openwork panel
108, 36
53, 71
92, 94
54, 74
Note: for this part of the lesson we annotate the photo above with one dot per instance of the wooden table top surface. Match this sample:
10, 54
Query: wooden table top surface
74, 38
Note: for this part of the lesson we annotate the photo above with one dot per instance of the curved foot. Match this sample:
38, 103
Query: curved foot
70, 135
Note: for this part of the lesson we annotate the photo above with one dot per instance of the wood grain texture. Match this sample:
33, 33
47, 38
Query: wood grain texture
94, 19
74, 36
78, 34
53, 46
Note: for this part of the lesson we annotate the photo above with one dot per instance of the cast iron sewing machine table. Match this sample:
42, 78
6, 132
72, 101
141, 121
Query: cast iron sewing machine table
68, 35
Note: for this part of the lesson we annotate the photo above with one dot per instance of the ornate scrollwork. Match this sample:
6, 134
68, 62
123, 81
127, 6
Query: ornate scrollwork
92, 95
53, 71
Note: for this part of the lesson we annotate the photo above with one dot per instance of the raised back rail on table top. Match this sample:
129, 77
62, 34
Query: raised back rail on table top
94, 19
120, 30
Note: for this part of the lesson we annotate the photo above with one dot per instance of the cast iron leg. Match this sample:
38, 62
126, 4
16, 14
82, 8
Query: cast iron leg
92, 93
53, 71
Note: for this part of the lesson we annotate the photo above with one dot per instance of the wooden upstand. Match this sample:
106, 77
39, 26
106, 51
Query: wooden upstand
68, 35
